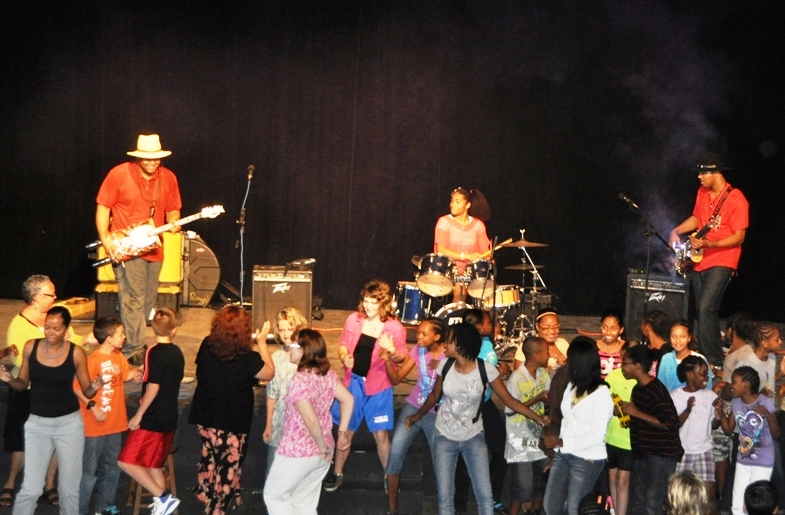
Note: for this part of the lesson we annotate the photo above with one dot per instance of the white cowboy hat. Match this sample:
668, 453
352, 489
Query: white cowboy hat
149, 147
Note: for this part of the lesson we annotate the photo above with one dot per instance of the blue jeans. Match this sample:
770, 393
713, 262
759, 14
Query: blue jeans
44, 436
570, 479
402, 438
649, 484
475, 454
137, 289
709, 287
100, 472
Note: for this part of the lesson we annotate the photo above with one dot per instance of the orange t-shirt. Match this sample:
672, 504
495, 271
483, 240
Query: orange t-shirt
114, 369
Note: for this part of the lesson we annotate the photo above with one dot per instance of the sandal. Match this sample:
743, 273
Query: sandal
7, 497
51, 496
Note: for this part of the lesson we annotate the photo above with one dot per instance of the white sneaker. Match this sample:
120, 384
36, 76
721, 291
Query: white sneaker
164, 506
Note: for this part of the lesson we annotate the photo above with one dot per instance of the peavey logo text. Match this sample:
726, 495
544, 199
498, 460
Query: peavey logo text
281, 287
659, 297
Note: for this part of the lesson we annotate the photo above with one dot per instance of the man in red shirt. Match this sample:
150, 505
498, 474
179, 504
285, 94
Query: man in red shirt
721, 247
133, 192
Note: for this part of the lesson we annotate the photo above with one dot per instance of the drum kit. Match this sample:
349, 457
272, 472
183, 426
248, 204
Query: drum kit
514, 307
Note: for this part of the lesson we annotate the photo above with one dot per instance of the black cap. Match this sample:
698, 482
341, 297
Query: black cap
711, 162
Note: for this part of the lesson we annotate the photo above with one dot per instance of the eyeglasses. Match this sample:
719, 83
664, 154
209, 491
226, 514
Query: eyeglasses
549, 328
48, 295
707, 172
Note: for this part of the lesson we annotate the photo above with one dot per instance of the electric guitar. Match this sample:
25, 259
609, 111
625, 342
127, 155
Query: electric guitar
686, 256
143, 237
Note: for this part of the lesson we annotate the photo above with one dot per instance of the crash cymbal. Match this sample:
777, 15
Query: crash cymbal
523, 266
524, 243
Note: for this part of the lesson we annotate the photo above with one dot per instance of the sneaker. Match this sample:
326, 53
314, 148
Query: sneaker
164, 505
110, 510
332, 482
499, 508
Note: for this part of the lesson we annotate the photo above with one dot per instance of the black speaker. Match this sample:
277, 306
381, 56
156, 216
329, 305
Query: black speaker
663, 293
201, 273
275, 288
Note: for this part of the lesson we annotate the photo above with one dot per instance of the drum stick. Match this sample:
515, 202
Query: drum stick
497, 247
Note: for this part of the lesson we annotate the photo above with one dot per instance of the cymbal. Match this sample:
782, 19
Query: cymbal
417, 261
524, 243
523, 266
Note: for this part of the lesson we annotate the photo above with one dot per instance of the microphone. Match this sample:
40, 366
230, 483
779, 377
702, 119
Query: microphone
302, 262
102, 262
251, 169
628, 200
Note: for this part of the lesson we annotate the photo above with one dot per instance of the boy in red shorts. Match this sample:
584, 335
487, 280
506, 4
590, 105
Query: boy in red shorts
153, 426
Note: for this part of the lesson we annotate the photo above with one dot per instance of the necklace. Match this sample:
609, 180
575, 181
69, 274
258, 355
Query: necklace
46, 351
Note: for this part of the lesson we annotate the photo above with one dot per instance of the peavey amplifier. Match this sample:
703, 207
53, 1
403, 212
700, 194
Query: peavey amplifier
275, 288
663, 293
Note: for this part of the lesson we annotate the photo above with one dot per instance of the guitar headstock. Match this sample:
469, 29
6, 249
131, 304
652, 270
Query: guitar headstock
212, 211
714, 222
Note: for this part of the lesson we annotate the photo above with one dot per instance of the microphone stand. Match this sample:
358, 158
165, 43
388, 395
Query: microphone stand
240, 243
650, 231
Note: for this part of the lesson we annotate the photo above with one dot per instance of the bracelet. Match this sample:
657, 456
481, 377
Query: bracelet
90, 404
342, 433
463, 255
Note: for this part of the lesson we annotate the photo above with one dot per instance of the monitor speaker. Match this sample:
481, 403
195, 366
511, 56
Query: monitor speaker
201, 273
663, 293
275, 288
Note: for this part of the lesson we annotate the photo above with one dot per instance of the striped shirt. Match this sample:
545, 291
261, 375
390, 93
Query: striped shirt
654, 399
469, 238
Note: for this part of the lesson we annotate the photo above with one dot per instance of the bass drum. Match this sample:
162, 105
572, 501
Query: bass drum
454, 313
409, 303
437, 274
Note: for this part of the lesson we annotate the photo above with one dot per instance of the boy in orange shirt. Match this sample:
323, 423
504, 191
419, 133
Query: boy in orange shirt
105, 418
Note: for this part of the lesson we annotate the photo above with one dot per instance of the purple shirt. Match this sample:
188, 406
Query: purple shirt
756, 447
426, 377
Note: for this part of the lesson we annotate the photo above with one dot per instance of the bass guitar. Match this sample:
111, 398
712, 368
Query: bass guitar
141, 238
686, 256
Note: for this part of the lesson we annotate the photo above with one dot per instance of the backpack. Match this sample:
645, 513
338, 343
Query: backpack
483, 377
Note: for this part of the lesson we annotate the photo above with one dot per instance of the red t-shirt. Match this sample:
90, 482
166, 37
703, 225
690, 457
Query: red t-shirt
734, 216
130, 198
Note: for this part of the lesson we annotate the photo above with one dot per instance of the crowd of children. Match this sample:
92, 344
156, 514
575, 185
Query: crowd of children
641, 424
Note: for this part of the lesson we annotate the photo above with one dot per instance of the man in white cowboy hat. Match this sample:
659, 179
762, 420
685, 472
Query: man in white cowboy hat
718, 225
135, 192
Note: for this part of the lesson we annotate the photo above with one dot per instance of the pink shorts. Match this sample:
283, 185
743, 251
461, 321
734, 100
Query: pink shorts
148, 449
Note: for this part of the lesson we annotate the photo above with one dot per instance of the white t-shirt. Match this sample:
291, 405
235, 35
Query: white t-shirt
695, 434
462, 394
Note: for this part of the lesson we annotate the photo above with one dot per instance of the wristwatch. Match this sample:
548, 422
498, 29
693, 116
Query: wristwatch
90, 404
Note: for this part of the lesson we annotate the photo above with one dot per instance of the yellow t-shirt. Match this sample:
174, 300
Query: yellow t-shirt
21, 331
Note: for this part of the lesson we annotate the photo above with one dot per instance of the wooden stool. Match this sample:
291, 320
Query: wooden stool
136, 492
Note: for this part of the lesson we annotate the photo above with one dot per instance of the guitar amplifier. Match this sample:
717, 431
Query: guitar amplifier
664, 293
201, 272
107, 301
275, 288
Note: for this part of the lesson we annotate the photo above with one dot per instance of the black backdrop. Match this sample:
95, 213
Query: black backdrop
362, 116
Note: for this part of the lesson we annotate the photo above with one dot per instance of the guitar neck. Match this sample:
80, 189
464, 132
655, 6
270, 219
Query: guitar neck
178, 223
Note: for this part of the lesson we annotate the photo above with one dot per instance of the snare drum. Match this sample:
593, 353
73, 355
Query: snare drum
477, 272
437, 273
507, 296
408, 303
453, 313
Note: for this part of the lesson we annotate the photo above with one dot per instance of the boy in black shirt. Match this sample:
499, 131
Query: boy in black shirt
153, 427
654, 434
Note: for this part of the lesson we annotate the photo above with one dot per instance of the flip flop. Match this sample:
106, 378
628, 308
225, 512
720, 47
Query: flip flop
51, 496
7, 497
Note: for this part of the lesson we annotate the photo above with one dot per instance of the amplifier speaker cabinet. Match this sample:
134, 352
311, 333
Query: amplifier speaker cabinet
201, 273
275, 288
107, 302
663, 293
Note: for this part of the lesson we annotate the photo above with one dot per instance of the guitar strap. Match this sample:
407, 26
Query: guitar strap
719, 206
136, 177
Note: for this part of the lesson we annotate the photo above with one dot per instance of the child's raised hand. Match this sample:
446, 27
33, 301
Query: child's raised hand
386, 343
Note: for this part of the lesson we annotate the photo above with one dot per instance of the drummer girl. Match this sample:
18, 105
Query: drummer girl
461, 235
